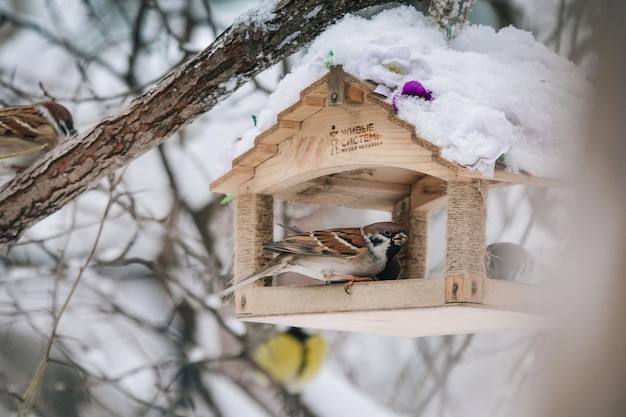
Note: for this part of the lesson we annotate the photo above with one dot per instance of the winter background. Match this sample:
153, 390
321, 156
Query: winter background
144, 333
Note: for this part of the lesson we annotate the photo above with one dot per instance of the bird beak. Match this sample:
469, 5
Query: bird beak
400, 239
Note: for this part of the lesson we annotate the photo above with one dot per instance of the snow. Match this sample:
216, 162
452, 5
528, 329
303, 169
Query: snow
494, 92
314, 12
258, 16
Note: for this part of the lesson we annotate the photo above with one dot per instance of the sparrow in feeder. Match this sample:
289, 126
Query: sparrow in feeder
345, 255
27, 132
392, 269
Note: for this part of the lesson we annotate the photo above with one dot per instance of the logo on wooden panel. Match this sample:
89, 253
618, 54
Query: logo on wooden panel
353, 138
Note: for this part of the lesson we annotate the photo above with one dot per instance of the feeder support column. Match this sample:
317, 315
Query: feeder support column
413, 257
465, 240
254, 219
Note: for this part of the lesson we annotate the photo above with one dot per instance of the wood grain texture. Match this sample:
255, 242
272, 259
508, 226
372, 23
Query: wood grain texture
254, 225
466, 227
345, 192
408, 308
433, 321
278, 133
237, 55
364, 138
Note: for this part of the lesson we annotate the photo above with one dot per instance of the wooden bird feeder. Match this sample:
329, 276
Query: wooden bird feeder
341, 144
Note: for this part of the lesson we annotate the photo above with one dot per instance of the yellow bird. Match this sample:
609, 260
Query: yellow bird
292, 358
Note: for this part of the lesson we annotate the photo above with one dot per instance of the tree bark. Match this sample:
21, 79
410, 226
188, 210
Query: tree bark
241, 52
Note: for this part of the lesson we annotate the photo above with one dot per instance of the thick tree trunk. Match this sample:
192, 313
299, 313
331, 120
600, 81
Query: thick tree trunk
240, 53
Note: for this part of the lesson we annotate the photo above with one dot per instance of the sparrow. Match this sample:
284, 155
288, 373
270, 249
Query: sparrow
392, 269
32, 130
292, 358
345, 255
510, 262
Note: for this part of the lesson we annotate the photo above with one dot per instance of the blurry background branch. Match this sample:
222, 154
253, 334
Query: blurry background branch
241, 52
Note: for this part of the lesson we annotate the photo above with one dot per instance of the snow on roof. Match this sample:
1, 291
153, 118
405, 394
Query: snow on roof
493, 92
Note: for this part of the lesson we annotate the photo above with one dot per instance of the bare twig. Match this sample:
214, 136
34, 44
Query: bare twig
28, 400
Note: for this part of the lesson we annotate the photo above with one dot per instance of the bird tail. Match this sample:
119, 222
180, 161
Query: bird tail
270, 270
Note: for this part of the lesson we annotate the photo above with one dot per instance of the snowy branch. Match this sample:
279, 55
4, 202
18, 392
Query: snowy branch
255, 42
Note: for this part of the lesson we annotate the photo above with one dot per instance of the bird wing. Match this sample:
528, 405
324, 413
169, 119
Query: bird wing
24, 126
12, 126
291, 230
332, 242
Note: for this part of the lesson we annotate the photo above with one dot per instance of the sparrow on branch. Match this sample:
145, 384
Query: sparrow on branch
335, 255
27, 132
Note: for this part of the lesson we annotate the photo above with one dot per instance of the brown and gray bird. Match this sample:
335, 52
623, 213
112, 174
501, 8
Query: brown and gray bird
392, 270
32, 130
335, 255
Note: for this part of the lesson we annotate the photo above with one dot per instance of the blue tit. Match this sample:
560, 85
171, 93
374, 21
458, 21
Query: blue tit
509, 261
292, 358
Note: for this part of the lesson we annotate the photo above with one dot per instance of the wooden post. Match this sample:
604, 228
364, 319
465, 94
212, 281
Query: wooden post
336, 86
254, 220
413, 258
420, 221
465, 255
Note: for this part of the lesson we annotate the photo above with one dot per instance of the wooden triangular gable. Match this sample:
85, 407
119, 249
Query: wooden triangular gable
342, 137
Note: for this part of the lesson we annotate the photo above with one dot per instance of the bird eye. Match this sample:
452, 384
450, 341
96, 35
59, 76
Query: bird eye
387, 233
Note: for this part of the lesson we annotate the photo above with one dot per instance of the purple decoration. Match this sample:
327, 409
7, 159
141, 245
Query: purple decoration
413, 88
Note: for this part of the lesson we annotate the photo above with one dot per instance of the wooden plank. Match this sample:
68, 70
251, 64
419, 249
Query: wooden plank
339, 139
382, 174
318, 87
354, 95
278, 133
254, 225
246, 187
407, 308
400, 213
336, 90
427, 193
466, 229
461, 289
366, 296
306, 107
515, 178
255, 156
430, 321
230, 182
345, 192
413, 258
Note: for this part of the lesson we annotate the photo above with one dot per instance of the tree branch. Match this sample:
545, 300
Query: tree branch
241, 52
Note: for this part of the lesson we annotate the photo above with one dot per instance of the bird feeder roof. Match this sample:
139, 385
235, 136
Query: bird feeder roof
343, 139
